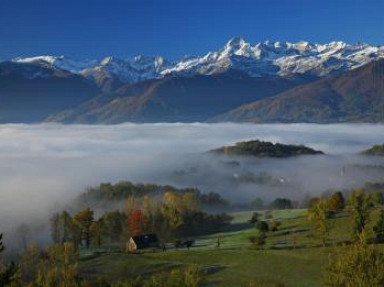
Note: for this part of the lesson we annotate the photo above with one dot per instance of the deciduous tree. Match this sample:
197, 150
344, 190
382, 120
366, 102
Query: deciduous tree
359, 205
336, 201
255, 218
114, 222
137, 222
357, 265
318, 216
97, 231
84, 219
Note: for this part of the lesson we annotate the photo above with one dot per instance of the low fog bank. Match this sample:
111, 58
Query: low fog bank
43, 167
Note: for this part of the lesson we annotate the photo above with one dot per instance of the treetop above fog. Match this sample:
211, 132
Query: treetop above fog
265, 149
376, 150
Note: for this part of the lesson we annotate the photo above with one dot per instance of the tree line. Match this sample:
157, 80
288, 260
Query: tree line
176, 215
107, 192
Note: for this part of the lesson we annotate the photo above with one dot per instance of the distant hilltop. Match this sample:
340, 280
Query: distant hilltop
258, 148
376, 150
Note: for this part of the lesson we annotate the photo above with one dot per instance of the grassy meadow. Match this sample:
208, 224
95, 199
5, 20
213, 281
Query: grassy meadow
292, 255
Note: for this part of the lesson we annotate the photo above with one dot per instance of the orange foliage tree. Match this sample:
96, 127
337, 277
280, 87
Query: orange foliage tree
137, 222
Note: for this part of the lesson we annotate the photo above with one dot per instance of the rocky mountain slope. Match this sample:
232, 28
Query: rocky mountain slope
354, 96
28, 93
173, 99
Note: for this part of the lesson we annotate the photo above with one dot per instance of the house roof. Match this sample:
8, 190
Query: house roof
145, 240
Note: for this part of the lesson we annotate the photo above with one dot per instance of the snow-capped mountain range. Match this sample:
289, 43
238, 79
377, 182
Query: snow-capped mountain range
262, 59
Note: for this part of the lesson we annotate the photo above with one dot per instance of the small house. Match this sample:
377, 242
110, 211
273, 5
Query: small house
142, 241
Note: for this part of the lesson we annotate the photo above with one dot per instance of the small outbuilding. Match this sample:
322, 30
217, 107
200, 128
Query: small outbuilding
143, 241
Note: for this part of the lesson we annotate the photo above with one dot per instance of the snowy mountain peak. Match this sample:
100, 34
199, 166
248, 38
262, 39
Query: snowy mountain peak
106, 61
235, 43
260, 59
47, 59
58, 62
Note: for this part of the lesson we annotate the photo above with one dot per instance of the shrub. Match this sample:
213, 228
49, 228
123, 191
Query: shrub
357, 265
275, 225
262, 226
259, 240
255, 218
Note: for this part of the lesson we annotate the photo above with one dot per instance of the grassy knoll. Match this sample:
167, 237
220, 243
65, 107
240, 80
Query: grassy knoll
291, 255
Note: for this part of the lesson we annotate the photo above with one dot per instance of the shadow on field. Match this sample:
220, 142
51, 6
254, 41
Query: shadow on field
212, 269
288, 232
237, 227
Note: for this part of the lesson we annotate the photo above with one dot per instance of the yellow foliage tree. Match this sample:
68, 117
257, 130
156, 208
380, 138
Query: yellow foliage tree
318, 216
357, 265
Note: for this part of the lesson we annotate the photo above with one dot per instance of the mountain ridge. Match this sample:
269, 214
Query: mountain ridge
261, 59
151, 89
174, 99
354, 96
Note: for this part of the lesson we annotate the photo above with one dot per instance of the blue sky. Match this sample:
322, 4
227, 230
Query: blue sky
173, 28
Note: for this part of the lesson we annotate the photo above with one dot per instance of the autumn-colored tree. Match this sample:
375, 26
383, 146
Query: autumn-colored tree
137, 222
84, 219
357, 265
57, 266
130, 205
190, 201
359, 205
171, 209
336, 201
97, 231
147, 206
148, 211
312, 201
176, 206
318, 216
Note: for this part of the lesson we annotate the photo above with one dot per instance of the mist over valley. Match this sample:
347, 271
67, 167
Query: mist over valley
45, 167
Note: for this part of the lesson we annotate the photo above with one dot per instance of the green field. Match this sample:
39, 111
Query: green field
292, 255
